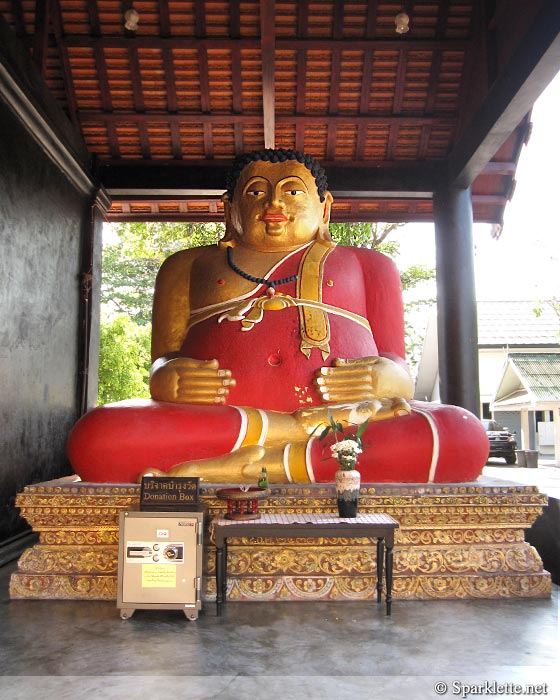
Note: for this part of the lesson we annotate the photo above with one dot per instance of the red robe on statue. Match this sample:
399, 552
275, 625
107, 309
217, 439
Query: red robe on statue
273, 355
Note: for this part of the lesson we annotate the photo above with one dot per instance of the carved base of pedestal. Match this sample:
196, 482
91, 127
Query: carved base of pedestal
455, 541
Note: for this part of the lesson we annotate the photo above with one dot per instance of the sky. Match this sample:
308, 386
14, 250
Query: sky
524, 262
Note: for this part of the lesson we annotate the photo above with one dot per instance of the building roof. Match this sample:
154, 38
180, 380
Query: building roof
517, 323
164, 108
529, 380
514, 325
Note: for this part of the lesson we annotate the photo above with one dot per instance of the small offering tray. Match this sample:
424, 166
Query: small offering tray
242, 503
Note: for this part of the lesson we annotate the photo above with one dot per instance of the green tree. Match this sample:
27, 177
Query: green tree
124, 359
127, 287
130, 266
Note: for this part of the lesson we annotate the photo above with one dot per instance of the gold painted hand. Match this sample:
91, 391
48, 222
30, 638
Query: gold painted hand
185, 380
364, 379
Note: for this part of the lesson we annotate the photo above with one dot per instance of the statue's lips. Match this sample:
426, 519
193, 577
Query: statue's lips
275, 217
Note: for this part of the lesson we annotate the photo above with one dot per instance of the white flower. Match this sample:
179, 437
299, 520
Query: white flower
345, 447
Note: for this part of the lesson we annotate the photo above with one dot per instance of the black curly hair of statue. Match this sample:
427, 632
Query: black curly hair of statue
277, 155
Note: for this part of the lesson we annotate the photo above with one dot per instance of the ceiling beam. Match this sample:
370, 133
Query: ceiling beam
511, 97
282, 44
268, 58
208, 180
95, 117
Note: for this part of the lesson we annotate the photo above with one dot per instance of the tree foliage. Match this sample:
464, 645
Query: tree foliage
124, 359
130, 266
127, 287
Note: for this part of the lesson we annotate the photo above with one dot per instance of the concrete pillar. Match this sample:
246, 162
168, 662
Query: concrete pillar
456, 299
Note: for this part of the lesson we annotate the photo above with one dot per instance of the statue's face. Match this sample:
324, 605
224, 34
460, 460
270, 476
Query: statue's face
276, 206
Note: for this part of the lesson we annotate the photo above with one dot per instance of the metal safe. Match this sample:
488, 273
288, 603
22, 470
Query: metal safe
160, 562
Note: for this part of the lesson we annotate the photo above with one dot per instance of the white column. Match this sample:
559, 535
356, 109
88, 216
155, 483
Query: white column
556, 413
525, 444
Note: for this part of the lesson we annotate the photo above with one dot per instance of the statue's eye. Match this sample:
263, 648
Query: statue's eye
295, 192
255, 193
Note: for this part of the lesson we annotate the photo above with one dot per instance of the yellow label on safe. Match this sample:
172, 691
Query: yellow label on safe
159, 576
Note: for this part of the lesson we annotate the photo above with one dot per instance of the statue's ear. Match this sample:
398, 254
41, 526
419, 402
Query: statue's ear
323, 232
327, 210
227, 208
230, 231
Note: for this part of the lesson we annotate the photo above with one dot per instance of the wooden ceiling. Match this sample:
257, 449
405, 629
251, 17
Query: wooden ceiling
164, 109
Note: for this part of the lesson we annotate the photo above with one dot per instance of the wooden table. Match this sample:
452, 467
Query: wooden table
378, 526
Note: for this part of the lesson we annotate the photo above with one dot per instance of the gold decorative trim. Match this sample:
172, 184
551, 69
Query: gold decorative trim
63, 587
454, 541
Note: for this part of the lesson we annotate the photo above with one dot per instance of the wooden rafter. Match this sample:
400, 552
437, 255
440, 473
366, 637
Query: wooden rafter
302, 18
433, 82
400, 82
169, 72
41, 36
384, 120
135, 73
301, 60
103, 77
234, 19
164, 18
65, 61
268, 58
371, 22
237, 100
443, 13
199, 18
19, 19
93, 14
338, 20
145, 147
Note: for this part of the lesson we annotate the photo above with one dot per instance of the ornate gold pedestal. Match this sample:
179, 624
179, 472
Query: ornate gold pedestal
454, 541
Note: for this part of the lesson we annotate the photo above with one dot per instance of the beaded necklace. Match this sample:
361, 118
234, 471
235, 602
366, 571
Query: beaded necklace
271, 284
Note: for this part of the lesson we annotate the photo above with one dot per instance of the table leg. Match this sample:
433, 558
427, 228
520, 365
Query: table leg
220, 585
224, 584
389, 576
380, 547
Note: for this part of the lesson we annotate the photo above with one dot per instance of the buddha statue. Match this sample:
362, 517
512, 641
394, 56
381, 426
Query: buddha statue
257, 341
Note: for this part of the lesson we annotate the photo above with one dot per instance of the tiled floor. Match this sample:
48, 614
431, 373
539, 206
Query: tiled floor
70, 649
546, 477
59, 650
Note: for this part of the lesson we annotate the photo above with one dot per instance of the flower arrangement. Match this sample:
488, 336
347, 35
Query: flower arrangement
345, 451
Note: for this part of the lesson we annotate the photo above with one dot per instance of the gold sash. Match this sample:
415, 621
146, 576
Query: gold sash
314, 324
